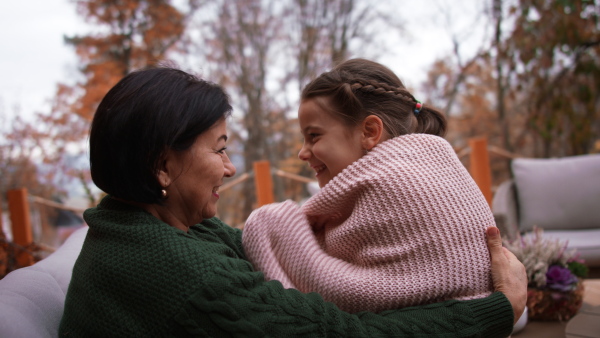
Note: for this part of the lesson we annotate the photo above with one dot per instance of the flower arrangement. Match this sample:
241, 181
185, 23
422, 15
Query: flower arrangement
555, 291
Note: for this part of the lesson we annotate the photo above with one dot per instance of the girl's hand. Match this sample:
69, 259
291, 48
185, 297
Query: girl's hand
508, 274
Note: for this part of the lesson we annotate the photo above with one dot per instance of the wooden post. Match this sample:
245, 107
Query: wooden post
3, 252
480, 166
1, 220
263, 182
21, 224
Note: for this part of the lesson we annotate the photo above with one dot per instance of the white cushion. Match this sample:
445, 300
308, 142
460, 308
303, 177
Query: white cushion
558, 193
32, 298
586, 241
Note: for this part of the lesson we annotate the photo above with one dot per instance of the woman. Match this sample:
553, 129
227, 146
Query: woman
156, 262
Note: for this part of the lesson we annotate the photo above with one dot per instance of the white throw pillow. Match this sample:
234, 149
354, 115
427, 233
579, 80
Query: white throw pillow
558, 193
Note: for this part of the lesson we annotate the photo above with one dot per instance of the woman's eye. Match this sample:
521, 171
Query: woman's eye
222, 150
313, 136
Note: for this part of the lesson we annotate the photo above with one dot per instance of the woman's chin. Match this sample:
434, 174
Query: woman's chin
209, 214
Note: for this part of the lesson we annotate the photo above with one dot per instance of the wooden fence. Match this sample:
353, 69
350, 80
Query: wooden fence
20, 218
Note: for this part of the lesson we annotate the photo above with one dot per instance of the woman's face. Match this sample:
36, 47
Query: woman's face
329, 144
196, 174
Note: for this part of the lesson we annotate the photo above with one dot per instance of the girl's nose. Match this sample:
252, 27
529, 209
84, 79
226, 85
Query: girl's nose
304, 153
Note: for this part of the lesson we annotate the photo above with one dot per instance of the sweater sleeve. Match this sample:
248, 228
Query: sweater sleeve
242, 304
232, 237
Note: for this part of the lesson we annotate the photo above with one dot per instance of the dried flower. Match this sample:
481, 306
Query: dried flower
546, 261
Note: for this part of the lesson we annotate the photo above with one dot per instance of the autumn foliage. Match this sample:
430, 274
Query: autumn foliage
132, 34
532, 88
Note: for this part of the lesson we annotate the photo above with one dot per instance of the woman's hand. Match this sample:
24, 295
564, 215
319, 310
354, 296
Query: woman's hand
508, 273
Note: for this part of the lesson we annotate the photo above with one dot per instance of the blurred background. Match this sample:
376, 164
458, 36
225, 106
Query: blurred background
523, 73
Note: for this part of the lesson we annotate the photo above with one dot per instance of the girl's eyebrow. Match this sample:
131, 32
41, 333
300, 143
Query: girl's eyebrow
307, 128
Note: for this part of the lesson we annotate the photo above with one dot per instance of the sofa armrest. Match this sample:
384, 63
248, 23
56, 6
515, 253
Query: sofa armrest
32, 298
504, 208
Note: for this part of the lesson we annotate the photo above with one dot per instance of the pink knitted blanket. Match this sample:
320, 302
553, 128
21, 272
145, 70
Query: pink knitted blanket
404, 225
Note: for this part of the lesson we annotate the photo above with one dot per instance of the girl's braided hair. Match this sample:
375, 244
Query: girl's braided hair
358, 88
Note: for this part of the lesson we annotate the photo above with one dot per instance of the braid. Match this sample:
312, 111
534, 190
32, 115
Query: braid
380, 88
429, 120
358, 88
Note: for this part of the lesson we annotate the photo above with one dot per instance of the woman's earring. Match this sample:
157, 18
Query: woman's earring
365, 151
163, 193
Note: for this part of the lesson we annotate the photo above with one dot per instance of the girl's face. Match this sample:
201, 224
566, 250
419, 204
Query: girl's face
330, 145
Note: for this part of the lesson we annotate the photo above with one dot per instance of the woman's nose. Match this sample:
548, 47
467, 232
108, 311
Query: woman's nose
304, 153
229, 167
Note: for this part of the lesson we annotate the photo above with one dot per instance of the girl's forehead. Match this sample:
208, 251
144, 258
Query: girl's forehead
312, 115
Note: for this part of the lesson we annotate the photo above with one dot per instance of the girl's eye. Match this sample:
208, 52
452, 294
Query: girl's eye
222, 150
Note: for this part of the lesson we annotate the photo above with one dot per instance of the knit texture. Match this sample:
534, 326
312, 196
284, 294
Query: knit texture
139, 277
402, 226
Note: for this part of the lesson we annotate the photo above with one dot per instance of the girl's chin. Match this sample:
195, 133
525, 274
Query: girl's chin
323, 181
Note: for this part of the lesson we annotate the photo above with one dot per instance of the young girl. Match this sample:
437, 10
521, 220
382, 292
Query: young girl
398, 221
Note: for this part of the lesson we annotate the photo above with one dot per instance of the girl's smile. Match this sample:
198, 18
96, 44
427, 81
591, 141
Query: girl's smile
330, 145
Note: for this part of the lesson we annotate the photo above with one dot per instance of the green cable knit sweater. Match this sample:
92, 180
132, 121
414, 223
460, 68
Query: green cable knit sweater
139, 277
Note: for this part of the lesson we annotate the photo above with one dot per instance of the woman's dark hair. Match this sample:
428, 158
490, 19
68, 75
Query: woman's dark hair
146, 113
358, 88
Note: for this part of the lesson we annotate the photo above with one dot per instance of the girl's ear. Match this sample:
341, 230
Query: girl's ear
373, 132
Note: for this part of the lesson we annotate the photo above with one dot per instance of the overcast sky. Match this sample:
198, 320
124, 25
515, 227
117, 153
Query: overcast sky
34, 58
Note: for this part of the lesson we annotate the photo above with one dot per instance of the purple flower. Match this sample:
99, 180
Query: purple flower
560, 278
